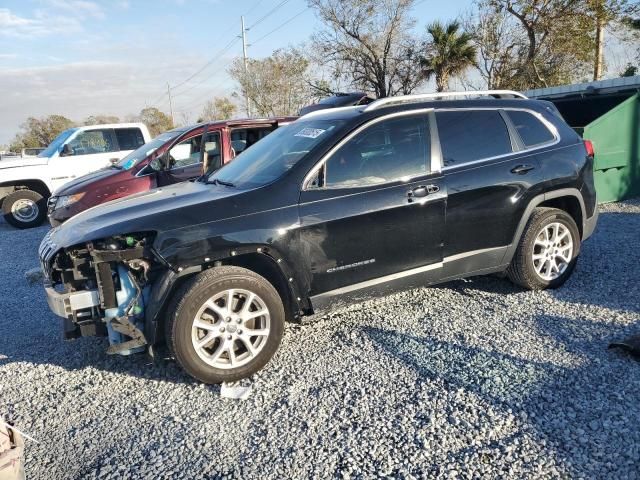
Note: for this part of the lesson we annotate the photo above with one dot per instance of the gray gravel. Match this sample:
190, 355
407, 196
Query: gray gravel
469, 379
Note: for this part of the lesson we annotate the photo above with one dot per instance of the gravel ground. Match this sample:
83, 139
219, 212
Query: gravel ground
469, 379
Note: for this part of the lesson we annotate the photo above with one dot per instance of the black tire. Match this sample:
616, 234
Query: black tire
27, 221
193, 294
522, 271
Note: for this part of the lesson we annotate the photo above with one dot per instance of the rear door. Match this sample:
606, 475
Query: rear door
490, 177
129, 139
374, 209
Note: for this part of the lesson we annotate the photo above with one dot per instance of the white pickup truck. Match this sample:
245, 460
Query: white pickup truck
27, 182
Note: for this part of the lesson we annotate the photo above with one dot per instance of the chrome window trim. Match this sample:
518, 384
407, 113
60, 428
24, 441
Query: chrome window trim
550, 126
309, 176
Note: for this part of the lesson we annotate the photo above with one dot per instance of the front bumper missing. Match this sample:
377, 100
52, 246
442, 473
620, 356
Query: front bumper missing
74, 305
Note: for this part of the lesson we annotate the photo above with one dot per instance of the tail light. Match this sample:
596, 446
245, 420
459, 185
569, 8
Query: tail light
589, 146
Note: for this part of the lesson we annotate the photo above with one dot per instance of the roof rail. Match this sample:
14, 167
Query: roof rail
382, 102
320, 111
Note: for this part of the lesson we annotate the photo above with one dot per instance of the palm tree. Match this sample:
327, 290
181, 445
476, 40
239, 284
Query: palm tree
449, 53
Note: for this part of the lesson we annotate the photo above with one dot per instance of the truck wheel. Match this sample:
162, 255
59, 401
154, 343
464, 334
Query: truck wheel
24, 208
225, 324
547, 252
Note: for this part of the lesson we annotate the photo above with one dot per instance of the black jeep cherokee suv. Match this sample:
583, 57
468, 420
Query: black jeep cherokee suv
339, 206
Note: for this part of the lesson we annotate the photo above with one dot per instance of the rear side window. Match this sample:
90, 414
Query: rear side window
129, 138
531, 130
469, 135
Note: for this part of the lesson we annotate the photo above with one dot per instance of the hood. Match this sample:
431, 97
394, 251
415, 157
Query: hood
161, 209
80, 184
13, 162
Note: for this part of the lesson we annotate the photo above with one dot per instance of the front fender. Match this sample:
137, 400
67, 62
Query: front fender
19, 175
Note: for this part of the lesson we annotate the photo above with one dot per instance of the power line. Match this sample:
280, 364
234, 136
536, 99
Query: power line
268, 14
282, 25
220, 53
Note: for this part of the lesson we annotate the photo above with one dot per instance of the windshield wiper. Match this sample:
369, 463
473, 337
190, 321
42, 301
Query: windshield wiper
217, 181
116, 166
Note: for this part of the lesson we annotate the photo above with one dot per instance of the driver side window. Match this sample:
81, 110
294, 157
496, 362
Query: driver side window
92, 141
185, 153
394, 149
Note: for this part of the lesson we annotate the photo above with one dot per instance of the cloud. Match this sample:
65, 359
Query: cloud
77, 8
79, 89
15, 26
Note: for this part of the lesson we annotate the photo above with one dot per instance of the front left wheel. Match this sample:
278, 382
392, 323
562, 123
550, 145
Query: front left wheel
24, 209
225, 324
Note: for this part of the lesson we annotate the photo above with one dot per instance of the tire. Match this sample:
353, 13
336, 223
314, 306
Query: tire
202, 290
539, 273
24, 209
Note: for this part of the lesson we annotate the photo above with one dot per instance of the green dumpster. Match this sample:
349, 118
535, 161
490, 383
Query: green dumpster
615, 136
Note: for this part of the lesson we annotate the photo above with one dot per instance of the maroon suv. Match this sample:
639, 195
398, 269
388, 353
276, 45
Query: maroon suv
174, 156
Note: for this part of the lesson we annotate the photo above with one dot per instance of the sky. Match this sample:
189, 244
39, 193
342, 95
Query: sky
114, 57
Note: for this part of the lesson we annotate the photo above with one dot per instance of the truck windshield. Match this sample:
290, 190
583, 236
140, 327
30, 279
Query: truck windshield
147, 149
273, 156
57, 143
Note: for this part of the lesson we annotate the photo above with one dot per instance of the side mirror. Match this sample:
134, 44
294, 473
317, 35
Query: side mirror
157, 164
66, 150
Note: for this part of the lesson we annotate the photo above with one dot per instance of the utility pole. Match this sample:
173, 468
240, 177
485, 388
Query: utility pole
246, 69
598, 63
170, 104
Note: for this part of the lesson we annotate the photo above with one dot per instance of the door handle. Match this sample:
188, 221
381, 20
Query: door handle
522, 169
422, 191
418, 192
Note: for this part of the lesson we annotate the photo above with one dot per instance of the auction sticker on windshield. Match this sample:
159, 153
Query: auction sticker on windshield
310, 132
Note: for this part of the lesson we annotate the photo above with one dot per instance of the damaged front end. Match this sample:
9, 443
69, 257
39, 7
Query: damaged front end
102, 288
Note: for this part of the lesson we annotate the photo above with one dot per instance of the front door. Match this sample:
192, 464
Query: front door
184, 161
89, 150
375, 211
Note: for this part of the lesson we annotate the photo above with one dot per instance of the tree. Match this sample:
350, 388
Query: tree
369, 42
40, 132
156, 121
557, 44
497, 41
100, 119
449, 53
220, 108
603, 12
276, 85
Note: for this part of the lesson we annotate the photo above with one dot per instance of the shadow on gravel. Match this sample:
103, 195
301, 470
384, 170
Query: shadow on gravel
88, 353
578, 412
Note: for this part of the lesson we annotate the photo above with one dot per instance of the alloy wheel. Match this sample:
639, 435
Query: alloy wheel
552, 251
231, 328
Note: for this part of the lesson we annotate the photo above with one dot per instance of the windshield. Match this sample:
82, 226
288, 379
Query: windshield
147, 149
55, 146
271, 157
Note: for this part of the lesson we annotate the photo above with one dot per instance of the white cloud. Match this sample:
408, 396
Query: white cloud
79, 89
77, 8
15, 26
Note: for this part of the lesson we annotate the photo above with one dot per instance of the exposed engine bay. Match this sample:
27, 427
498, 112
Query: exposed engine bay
102, 288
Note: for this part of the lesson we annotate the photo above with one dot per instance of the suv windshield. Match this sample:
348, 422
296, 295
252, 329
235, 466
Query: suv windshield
147, 149
273, 156
57, 143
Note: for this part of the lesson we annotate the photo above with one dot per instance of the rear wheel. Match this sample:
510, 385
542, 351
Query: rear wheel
547, 252
24, 208
225, 324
